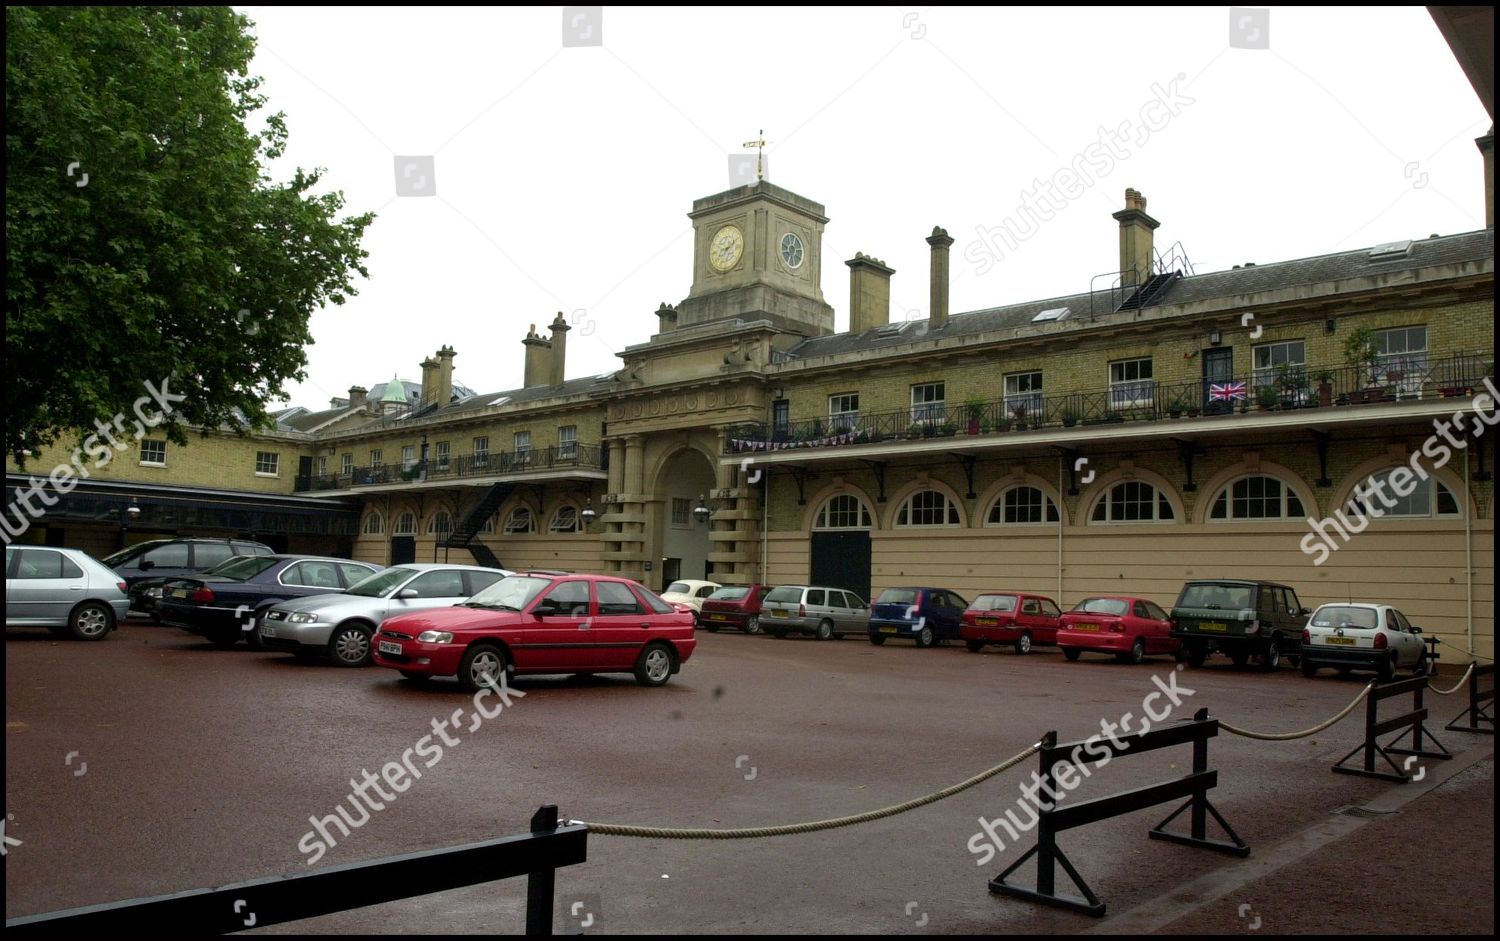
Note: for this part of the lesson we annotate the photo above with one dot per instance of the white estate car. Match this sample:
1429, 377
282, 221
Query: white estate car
1357, 636
690, 592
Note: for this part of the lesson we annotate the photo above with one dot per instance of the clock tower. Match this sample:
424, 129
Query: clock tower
758, 255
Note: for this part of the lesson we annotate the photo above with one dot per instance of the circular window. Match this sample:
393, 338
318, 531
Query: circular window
791, 250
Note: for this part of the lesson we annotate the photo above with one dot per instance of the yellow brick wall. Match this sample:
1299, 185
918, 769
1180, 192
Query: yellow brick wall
222, 461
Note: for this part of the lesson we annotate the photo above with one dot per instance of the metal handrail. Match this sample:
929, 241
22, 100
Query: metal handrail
483, 464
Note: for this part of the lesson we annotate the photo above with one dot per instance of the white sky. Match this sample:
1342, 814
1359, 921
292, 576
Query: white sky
563, 175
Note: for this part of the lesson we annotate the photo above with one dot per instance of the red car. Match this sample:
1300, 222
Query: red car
1129, 628
734, 606
1010, 617
536, 622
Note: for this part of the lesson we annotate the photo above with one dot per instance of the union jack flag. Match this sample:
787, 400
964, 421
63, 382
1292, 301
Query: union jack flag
1226, 391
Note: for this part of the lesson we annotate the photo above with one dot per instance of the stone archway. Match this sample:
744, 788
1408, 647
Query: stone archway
681, 539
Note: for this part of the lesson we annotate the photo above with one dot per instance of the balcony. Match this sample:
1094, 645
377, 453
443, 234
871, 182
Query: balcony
526, 462
1393, 379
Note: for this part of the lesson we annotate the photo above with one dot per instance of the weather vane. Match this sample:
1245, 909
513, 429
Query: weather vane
759, 144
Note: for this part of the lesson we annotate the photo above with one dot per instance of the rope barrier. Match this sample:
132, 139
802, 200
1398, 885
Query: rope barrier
1449, 692
1288, 736
745, 833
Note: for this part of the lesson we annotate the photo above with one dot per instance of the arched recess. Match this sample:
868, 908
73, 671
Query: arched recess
996, 490
815, 505
1345, 489
678, 480
905, 493
1105, 482
1289, 478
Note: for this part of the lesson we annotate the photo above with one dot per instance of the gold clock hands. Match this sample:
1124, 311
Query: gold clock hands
759, 144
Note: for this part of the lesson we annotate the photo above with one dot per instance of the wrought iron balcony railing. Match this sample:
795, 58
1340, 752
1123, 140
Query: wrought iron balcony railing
482, 464
1390, 379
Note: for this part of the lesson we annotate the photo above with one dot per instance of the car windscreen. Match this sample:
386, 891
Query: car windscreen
784, 594
897, 596
1102, 606
381, 583
729, 594
678, 588
1338, 615
512, 593
1226, 597
994, 603
116, 558
242, 567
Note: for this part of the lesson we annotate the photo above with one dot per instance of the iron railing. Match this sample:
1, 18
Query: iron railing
482, 464
1390, 380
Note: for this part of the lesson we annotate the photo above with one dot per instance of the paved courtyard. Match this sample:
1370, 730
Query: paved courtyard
152, 763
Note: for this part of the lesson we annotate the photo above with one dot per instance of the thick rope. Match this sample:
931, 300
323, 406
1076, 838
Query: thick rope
1288, 736
745, 833
1448, 692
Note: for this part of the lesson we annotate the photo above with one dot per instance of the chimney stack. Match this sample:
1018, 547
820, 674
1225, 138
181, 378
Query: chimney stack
445, 375
1486, 146
869, 293
666, 316
538, 365
937, 316
429, 381
1137, 254
359, 397
560, 330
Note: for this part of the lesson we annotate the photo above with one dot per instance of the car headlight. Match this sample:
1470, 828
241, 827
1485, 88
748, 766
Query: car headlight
302, 617
435, 637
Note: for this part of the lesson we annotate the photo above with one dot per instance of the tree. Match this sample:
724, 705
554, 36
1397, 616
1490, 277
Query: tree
145, 240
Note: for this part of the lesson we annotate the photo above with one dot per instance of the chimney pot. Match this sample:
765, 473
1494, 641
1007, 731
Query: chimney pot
1137, 253
538, 370
939, 241
869, 293
560, 330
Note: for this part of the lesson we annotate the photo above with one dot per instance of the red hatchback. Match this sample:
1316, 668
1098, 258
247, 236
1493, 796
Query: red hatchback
1129, 628
1010, 617
734, 606
542, 623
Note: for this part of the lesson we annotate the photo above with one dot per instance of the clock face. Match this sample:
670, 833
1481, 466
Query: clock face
791, 251
725, 248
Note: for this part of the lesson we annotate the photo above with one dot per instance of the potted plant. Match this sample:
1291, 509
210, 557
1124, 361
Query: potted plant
914, 430
1176, 407
974, 405
1360, 352
1193, 409
1325, 387
1069, 416
1018, 412
947, 429
1288, 384
1266, 397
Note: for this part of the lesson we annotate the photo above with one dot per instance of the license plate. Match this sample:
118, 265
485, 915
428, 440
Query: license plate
389, 646
718, 617
778, 614
1085, 627
180, 593
887, 630
267, 630
1212, 626
1348, 641
986, 622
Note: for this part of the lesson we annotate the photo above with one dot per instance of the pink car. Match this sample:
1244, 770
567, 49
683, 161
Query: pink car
1128, 627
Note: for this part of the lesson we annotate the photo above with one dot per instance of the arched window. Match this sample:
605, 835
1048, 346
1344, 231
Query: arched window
520, 521
564, 520
1427, 498
843, 511
927, 508
1022, 505
406, 525
441, 523
1256, 497
1133, 501
374, 524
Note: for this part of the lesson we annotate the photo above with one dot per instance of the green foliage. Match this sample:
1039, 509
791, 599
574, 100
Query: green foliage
144, 272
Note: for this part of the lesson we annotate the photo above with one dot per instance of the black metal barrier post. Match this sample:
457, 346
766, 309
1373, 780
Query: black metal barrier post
1052, 819
279, 899
1480, 704
1376, 727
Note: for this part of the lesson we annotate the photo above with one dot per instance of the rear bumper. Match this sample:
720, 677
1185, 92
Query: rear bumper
1367, 658
198, 618
881, 627
1106, 641
735, 619
991, 635
792, 625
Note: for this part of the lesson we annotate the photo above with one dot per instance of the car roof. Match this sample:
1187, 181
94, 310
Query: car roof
1233, 581
1356, 604
426, 566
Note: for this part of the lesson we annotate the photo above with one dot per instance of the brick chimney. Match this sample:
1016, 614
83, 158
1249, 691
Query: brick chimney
869, 293
359, 397
939, 240
445, 375
1137, 254
429, 381
538, 361
560, 329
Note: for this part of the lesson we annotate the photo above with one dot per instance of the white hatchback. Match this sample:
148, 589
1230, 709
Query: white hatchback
1357, 636
691, 592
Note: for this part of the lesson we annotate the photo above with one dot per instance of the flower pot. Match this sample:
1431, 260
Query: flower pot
1325, 394
973, 426
1175, 412
1070, 421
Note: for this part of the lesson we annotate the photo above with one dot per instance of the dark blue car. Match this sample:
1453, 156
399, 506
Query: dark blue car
228, 604
926, 615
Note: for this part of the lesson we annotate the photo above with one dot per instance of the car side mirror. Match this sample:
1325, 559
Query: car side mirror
1304, 611
146, 565
545, 609
1415, 629
407, 593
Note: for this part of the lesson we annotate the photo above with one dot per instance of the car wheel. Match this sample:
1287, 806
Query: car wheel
349, 646
1195, 655
1421, 667
1387, 671
224, 637
778, 634
1071, 653
924, 637
1270, 659
91, 621
825, 630
975, 646
1023, 643
252, 636
654, 666
416, 677
1137, 651
752, 626
481, 662
877, 639
1308, 667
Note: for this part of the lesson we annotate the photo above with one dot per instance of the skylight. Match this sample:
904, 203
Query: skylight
1391, 250
1056, 313
501, 401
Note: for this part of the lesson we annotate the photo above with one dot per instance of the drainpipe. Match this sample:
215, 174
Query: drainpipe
1468, 555
1061, 508
765, 523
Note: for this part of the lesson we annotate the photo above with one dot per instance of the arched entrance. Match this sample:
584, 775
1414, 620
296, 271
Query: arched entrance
840, 549
681, 538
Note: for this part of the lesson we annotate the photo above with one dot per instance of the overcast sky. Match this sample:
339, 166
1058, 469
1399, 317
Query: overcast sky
563, 174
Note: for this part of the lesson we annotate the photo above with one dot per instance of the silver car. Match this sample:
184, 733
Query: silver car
340, 626
65, 590
813, 609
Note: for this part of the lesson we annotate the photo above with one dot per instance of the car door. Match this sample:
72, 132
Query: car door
310, 577
1409, 642
561, 637
621, 624
167, 561
1029, 616
352, 572
1050, 613
855, 614
1161, 629
950, 612
208, 554
435, 589
44, 588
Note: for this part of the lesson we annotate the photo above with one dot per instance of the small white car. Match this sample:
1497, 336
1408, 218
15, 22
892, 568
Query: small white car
1358, 636
690, 592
